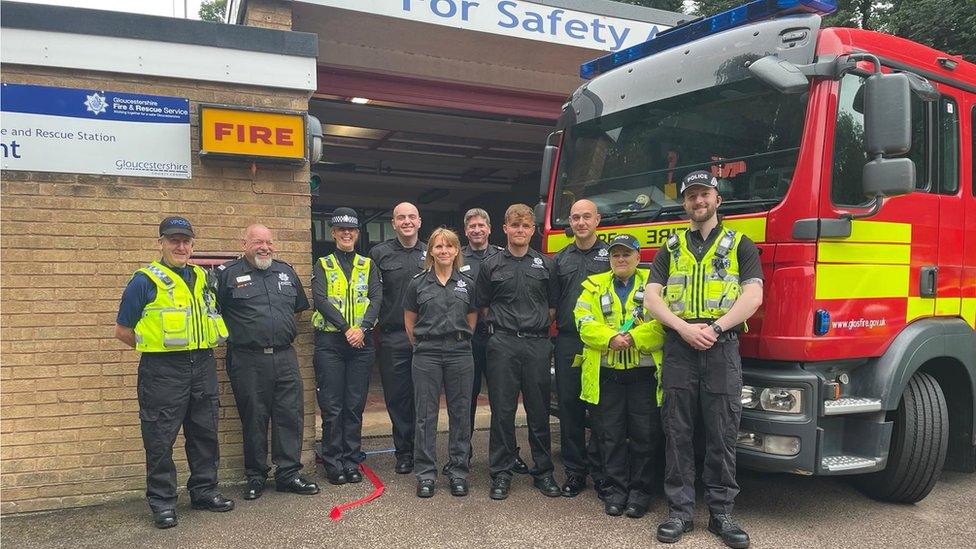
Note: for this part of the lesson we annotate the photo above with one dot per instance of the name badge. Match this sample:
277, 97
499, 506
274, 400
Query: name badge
243, 278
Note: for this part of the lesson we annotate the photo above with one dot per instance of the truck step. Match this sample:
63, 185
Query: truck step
851, 405
846, 463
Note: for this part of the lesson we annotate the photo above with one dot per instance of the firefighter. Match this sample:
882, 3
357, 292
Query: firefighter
619, 369
261, 297
586, 256
169, 313
346, 291
477, 229
399, 259
439, 317
516, 293
705, 282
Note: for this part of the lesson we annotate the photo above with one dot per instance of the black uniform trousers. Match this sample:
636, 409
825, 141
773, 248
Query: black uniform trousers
630, 433
579, 456
479, 353
268, 387
710, 383
443, 363
341, 383
396, 355
179, 389
518, 364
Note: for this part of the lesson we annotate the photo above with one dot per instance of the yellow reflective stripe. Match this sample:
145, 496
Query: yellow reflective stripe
847, 252
968, 310
878, 231
948, 306
653, 236
861, 281
919, 307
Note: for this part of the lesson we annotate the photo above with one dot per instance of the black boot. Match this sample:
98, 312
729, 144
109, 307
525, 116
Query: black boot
671, 530
724, 527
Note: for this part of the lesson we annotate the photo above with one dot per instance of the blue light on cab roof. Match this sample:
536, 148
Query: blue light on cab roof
757, 10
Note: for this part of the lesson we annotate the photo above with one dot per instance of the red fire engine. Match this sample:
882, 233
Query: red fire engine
848, 157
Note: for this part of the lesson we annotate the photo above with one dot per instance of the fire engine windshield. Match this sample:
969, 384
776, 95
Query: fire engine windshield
631, 162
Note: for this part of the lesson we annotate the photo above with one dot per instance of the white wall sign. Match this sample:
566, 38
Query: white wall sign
513, 18
94, 132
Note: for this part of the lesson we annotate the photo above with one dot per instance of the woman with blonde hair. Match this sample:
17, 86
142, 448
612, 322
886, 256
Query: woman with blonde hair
440, 316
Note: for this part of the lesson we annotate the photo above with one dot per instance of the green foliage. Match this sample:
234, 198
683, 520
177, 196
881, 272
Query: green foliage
667, 5
212, 10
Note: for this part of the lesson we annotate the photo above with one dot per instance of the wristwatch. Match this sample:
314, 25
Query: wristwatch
718, 329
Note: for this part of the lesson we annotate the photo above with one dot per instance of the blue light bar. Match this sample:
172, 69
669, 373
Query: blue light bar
758, 10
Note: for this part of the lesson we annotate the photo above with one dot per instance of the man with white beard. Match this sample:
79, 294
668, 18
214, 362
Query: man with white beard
261, 299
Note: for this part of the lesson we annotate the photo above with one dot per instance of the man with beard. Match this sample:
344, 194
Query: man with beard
586, 256
705, 282
260, 298
516, 291
399, 259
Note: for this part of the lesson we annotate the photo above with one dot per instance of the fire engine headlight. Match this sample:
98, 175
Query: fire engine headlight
750, 397
769, 444
780, 400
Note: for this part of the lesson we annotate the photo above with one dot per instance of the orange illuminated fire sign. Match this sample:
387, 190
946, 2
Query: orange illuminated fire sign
274, 136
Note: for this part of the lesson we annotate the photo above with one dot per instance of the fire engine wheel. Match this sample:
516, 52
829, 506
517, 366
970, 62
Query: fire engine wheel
918, 445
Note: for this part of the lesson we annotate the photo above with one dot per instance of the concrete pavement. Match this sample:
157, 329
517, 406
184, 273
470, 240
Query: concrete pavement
777, 510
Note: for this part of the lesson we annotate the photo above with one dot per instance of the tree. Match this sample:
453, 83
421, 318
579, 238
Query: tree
212, 10
667, 5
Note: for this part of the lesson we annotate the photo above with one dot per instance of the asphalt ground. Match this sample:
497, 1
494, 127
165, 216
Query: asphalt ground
777, 510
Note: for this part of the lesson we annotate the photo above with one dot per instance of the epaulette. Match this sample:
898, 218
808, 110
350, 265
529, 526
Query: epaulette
421, 273
589, 285
465, 275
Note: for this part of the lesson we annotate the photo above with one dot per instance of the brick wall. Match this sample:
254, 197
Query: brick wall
69, 426
271, 14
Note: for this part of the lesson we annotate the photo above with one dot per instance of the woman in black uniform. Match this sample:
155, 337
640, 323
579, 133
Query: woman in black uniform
440, 316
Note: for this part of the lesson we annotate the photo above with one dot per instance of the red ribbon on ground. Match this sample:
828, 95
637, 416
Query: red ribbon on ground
336, 512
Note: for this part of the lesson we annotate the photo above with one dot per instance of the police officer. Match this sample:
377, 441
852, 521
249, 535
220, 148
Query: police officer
168, 313
439, 317
399, 259
346, 291
618, 375
260, 298
586, 256
705, 282
477, 229
516, 291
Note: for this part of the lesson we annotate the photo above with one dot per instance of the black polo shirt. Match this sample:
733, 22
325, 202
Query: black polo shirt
474, 258
441, 309
397, 265
573, 265
518, 291
258, 305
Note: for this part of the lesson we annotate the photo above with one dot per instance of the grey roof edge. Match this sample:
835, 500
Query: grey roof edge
41, 17
619, 9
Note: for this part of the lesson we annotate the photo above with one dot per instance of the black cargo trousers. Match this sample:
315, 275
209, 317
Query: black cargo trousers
707, 382
179, 389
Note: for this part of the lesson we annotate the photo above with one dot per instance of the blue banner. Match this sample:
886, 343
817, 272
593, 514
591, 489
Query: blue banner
94, 104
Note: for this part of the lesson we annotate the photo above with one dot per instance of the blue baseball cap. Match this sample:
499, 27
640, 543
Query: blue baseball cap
625, 240
175, 225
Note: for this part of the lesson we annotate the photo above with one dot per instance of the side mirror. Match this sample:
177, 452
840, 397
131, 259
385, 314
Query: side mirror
888, 177
781, 75
540, 212
887, 114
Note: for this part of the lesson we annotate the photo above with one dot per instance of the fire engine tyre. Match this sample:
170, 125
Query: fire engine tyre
918, 445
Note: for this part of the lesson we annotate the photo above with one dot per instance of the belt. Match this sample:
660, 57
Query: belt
521, 333
457, 336
731, 335
265, 350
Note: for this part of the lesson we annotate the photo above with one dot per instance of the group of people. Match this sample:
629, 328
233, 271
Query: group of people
640, 352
